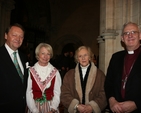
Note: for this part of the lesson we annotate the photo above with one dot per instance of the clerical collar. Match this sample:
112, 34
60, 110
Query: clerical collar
134, 51
130, 52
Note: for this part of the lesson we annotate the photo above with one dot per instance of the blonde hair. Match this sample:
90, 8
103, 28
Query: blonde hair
47, 46
91, 55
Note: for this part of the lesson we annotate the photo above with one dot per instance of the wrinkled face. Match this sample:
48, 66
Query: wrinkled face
14, 38
44, 56
83, 57
131, 37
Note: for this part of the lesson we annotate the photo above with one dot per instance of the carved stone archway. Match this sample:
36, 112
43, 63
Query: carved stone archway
64, 40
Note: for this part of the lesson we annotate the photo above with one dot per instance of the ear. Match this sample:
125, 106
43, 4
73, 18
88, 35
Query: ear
5, 36
122, 39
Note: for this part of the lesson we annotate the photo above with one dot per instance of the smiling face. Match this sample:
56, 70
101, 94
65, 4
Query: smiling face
131, 37
14, 37
43, 56
83, 57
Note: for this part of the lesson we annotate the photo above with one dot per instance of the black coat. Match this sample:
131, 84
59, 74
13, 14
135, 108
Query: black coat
114, 79
12, 90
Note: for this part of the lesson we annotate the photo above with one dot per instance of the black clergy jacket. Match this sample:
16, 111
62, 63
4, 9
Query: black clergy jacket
12, 90
114, 79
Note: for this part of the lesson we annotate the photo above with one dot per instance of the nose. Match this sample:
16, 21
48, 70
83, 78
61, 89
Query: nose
17, 38
130, 34
46, 55
83, 57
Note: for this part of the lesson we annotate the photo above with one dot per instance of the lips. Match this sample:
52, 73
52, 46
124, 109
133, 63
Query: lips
131, 39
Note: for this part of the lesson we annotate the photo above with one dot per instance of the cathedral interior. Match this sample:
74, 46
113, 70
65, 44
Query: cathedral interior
71, 23
61, 23
93, 23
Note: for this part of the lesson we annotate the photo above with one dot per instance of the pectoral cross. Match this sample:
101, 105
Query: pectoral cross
124, 82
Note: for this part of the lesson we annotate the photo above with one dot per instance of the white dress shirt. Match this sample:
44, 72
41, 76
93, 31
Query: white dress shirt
10, 51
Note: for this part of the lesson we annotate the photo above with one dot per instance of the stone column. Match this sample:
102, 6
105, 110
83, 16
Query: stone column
113, 14
5, 12
106, 30
109, 36
101, 53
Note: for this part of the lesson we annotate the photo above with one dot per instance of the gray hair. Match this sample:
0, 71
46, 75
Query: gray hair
128, 23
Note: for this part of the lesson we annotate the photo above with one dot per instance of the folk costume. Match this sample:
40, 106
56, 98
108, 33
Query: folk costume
84, 85
43, 91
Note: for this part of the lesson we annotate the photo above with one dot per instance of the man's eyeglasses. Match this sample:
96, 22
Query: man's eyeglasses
131, 32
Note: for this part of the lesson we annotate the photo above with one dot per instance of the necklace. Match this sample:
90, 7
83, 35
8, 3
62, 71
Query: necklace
124, 80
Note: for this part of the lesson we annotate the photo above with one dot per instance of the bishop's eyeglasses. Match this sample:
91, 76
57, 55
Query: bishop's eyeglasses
130, 33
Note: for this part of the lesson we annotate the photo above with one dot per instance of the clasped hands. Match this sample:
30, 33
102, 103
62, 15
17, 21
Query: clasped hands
84, 108
122, 107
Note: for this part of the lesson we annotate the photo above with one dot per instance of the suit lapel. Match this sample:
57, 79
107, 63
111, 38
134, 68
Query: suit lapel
7, 60
22, 61
9, 63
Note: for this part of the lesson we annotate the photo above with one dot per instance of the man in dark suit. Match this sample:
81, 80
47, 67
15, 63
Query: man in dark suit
123, 79
12, 89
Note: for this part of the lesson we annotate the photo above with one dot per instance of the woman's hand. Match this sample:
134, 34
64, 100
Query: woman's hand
80, 108
84, 108
87, 109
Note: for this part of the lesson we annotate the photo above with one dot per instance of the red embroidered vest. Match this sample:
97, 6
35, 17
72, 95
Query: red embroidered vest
37, 92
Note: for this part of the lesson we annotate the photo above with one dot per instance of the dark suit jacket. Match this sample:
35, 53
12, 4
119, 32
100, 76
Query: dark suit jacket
12, 90
114, 77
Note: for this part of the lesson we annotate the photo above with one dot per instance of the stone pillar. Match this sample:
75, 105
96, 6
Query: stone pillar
113, 14
5, 12
101, 53
109, 36
106, 32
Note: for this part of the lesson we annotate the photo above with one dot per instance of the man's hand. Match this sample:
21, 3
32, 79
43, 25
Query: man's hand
115, 106
128, 106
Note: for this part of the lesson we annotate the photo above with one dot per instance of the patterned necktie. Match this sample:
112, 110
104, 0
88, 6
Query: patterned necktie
17, 66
